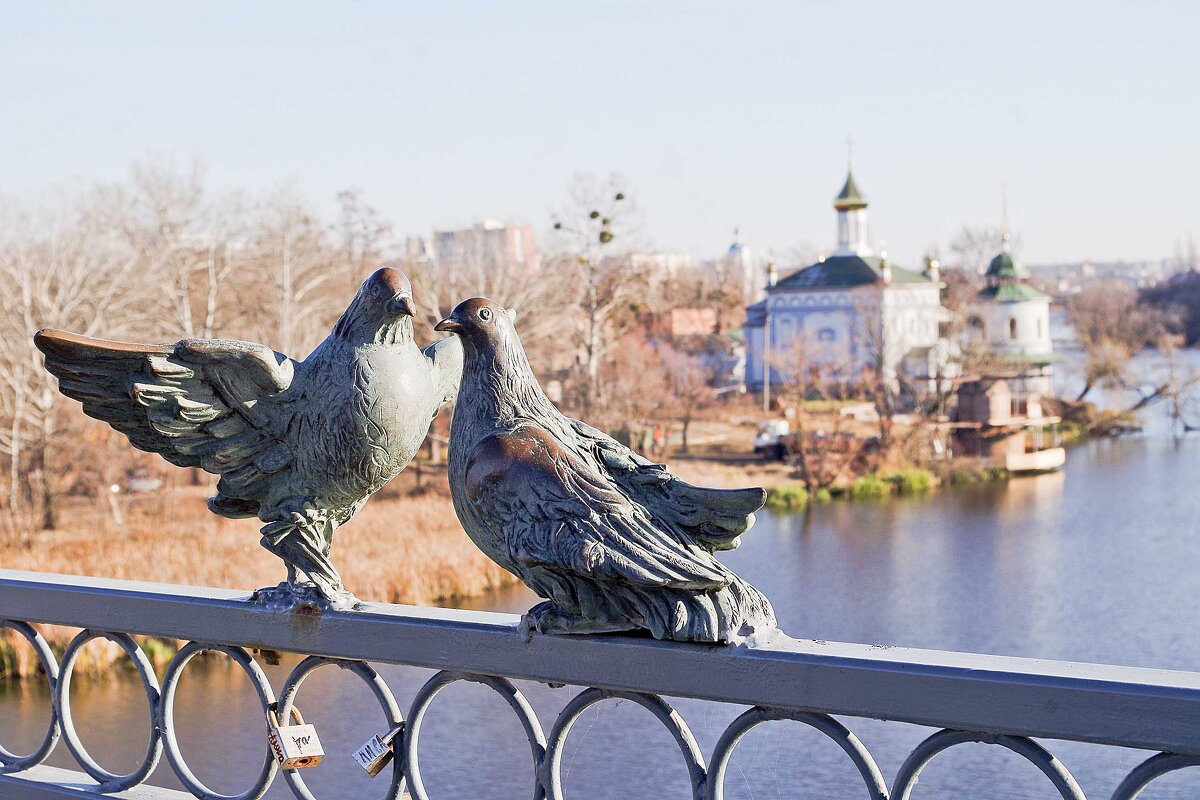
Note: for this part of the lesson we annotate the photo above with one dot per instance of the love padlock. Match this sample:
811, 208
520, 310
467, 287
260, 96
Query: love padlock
378, 751
295, 746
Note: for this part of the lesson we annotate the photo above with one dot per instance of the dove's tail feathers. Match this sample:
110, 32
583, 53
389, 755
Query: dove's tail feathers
712, 518
233, 507
735, 610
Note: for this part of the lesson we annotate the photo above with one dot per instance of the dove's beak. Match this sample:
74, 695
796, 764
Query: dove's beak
448, 325
402, 305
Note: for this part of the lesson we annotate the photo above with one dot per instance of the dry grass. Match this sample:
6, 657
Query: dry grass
400, 549
403, 547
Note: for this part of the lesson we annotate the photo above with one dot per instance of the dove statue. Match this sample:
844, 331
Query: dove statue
612, 541
299, 444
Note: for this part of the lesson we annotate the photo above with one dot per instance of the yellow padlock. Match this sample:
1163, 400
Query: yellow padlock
295, 746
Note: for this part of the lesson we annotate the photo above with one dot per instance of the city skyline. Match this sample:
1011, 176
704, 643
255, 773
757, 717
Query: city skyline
719, 118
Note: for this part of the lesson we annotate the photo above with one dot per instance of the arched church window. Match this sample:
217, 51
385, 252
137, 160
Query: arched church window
975, 325
1012, 329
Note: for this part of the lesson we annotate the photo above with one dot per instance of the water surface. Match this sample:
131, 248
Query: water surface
1100, 562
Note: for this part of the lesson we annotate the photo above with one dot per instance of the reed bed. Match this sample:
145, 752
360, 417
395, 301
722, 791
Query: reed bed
405, 546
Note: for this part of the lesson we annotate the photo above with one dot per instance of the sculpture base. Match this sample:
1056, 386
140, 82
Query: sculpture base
303, 598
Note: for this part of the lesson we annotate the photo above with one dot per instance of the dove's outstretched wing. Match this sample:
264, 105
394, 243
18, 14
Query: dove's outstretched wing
446, 361
197, 403
556, 513
712, 517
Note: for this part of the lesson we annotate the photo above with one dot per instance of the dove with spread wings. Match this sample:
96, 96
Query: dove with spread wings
611, 540
300, 445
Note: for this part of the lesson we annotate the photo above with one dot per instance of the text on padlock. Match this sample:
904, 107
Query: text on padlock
378, 751
295, 746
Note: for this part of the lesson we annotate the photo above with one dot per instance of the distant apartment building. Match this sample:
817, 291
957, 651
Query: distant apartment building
1070, 278
488, 244
657, 267
416, 250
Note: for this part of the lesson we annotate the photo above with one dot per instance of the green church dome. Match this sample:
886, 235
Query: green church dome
1005, 266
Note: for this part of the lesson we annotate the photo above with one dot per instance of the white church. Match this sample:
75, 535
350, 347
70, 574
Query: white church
850, 312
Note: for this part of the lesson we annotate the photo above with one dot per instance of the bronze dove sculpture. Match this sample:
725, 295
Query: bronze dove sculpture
299, 444
611, 540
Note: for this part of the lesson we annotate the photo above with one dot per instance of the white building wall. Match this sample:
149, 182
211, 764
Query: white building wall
1017, 328
852, 233
847, 331
912, 315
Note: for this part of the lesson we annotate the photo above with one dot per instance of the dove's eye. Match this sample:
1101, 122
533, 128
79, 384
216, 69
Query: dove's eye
485, 314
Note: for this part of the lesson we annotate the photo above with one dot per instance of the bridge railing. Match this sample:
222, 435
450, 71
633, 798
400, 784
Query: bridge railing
971, 698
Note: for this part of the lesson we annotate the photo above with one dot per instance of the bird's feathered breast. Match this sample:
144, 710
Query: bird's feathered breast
364, 413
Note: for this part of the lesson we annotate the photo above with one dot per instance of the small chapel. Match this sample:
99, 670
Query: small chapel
850, 312
1011, 319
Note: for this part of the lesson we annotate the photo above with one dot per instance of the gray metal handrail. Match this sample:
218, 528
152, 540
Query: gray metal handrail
997, 699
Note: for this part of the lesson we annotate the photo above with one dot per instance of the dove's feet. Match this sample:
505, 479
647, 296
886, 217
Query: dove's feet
304, 598
547, 617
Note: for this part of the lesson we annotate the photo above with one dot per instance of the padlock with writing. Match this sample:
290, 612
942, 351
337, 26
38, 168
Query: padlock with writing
378, 751
295, 746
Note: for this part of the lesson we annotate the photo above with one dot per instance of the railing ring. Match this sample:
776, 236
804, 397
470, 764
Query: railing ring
166, 720
109, 781
503, 687
9, 761
1033, 752
1154, 767
391, 710
654, 704
858, 753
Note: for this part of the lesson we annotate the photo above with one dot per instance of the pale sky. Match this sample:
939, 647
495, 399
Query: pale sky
719, 114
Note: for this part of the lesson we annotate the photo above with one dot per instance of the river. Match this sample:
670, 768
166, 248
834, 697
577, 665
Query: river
1099, 562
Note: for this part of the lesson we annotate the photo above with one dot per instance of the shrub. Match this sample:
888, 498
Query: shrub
823, 496
960, 476
912, 480
787, 498
870, 487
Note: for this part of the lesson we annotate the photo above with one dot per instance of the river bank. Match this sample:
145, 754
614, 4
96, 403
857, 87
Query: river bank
403, 547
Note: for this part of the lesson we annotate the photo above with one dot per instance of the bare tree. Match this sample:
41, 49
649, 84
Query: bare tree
974, 246
801, 254
185, 244
1186, 257
153, 256
61, 269
596, 212
823, 451
689, 379
542, 300
1111, 327
299, 274
638, 387
362, 235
